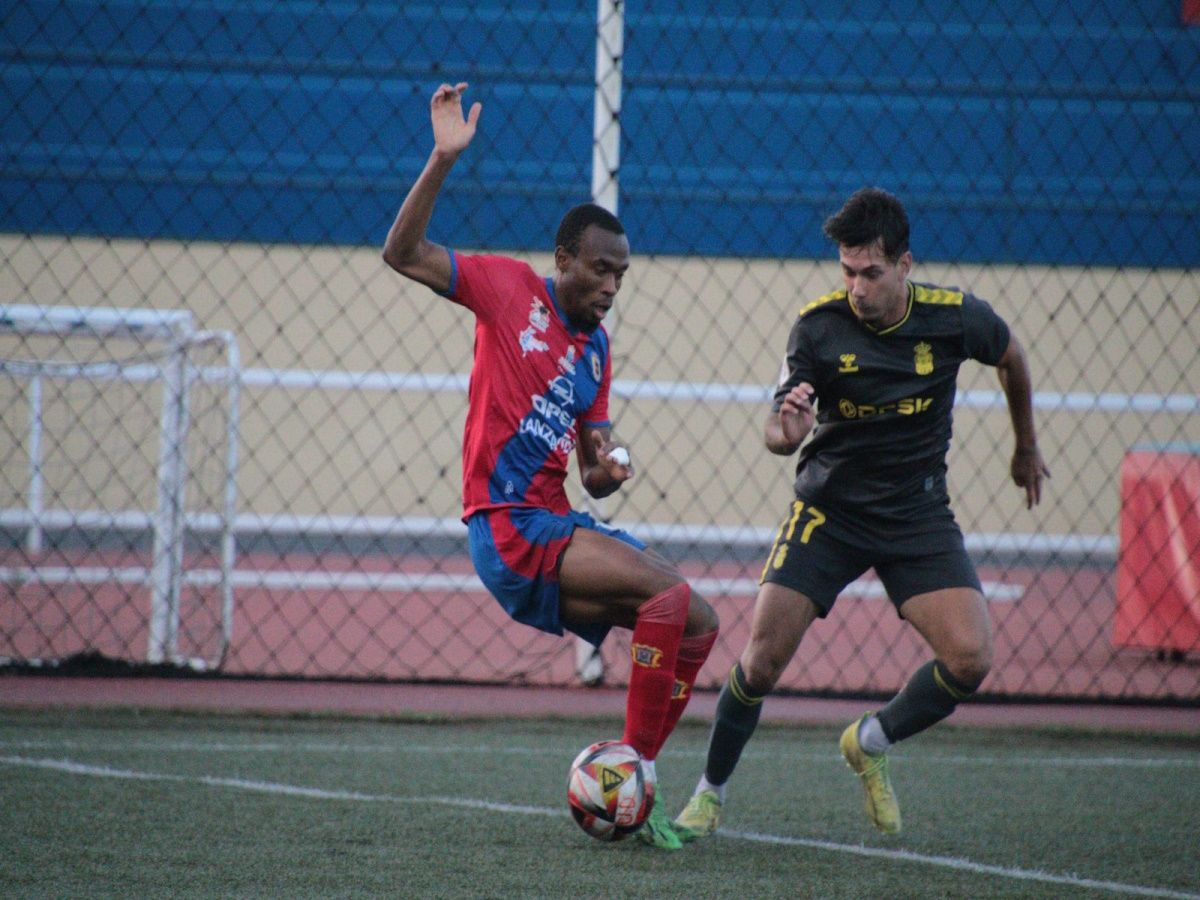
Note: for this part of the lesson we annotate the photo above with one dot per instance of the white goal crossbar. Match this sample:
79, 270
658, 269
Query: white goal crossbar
168, 522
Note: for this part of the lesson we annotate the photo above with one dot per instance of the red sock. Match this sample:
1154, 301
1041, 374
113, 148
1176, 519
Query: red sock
655, 648
693, 651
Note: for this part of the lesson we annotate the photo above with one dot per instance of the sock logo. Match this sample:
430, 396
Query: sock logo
645, 655
679, 690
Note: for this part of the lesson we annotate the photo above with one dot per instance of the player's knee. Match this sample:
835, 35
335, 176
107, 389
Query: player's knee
761, 669
970, 664
702, 618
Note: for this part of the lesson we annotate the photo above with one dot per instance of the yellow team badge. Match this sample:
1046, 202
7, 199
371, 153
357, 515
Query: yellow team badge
848, 363
923, 354
645, 655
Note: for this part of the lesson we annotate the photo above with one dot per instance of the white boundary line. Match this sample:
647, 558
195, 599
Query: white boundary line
713, 392
996, 591
963, 865
1050, 762
945, 862
1101, 548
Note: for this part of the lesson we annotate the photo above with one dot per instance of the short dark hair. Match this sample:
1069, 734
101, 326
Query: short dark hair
870, 214
578, 218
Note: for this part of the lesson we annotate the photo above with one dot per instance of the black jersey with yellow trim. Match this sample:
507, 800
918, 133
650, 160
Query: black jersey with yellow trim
884, 398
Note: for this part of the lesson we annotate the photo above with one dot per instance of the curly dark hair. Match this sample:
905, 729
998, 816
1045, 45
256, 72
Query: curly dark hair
870, 214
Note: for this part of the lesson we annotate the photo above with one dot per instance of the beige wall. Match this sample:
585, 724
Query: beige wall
363, 452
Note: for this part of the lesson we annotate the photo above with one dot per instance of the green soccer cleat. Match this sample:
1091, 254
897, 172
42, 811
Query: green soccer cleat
700, 817
883, 809
657, 830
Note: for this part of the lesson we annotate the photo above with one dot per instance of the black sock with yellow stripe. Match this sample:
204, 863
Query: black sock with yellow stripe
736, 718
930, 695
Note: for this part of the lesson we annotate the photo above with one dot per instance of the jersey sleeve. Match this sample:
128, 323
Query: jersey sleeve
985, 334
797, 363
596, 415
475, 281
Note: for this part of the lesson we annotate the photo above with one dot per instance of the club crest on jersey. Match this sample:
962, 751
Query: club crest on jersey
847, 362
679, 690
923, 358
645, 655
539, 320
596, 371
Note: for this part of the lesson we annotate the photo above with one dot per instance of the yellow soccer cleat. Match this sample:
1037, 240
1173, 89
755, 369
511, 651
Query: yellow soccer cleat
700, 817
883, 809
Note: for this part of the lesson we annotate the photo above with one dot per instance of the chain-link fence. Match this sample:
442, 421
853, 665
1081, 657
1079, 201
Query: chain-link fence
241, 162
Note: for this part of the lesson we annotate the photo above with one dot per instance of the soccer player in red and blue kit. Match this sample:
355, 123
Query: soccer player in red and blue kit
539, 390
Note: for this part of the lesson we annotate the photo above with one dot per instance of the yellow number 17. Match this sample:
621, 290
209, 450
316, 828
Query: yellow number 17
788, 530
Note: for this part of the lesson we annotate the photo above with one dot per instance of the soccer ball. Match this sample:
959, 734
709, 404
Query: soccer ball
609, 790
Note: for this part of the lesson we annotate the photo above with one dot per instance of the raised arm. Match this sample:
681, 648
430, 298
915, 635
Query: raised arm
1027, 468
407, 249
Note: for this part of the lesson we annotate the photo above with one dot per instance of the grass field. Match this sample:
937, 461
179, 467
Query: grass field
135, 804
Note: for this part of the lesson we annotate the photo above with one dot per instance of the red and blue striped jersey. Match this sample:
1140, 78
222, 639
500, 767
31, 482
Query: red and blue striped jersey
534, 380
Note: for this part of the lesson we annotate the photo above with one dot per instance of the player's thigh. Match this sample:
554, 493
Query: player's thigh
956, 625
938, 591
812, 556
604, 579
781, 617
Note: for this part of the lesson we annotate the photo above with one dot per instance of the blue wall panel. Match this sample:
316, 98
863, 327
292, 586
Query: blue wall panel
1038, 131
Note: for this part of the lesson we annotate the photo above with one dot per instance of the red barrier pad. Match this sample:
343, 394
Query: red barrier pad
1158, 571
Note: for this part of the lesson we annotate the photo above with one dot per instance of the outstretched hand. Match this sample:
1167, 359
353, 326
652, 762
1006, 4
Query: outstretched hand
1028, 470
451, 132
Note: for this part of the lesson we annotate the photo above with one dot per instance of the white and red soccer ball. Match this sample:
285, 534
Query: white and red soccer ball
609, 790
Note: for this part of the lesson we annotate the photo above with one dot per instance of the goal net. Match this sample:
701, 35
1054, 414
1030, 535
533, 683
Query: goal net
117, 493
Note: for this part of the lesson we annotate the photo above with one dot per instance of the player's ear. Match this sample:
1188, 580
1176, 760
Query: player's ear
562, 259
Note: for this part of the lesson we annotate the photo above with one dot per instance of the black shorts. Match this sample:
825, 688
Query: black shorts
818, 552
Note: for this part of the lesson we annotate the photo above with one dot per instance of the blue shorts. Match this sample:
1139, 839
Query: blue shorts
517, 550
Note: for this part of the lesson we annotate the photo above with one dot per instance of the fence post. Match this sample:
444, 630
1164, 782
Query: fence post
606, 114
33, 538
167, 563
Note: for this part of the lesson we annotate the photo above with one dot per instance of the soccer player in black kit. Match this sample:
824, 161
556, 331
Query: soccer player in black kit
874, 366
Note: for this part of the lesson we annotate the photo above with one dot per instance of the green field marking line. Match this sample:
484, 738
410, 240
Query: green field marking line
946, 862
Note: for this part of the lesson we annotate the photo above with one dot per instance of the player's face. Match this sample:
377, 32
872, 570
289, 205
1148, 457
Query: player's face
877, 287
589, 280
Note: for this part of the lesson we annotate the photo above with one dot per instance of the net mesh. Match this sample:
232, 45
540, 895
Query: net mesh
87, 550
244, 161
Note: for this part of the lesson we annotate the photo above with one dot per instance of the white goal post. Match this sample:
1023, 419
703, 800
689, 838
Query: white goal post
110, 395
